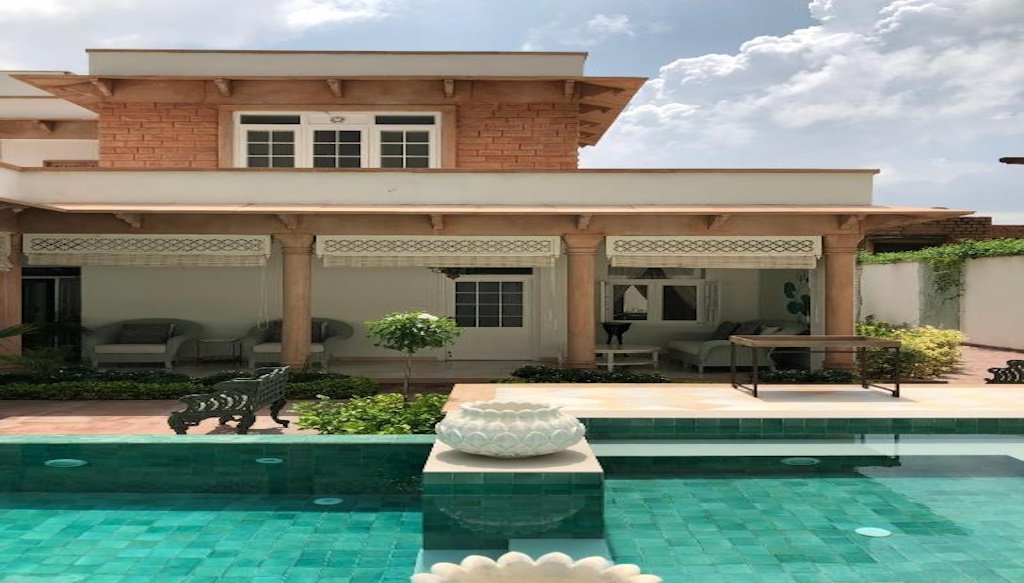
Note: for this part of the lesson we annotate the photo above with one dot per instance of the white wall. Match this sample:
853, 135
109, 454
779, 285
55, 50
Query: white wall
992, 310
891, 292
33, 152
773, 301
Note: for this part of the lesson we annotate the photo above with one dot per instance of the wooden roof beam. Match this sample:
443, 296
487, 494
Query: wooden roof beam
588, 89
290, 222
437, 222
715, 221
104, 86
337, 87
449, 87
583, 222
569, 89
848, 222
133, 220
46, 126
592, 108
223, 87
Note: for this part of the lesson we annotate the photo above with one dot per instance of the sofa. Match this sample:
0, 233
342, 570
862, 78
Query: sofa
158, 340
263, 343
701, 351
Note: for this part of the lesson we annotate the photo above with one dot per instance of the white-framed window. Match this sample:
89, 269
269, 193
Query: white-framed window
688, 300
337, 139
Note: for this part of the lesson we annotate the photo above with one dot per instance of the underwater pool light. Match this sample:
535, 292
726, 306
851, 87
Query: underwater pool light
327, 501
269, 460
873, 532
65, 463
800, 461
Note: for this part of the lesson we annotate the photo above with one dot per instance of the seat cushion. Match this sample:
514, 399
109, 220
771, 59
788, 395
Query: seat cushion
748, 328
130, 349
317, 331
144, 333
724, 330
275, 347
687, 346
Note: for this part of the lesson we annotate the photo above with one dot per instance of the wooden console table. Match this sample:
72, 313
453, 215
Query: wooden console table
848, 344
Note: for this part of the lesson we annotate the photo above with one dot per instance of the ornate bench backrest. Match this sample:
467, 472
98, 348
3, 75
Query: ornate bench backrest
266, 387
1012, 374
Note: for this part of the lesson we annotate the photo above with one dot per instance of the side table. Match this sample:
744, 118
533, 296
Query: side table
236, 350
610, 350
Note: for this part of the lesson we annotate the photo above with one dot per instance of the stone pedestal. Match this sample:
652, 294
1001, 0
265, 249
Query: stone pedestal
476, 502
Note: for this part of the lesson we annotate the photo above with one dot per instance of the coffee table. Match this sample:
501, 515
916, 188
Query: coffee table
611, 350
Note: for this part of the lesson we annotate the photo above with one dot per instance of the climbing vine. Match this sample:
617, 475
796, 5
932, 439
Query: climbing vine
947, 261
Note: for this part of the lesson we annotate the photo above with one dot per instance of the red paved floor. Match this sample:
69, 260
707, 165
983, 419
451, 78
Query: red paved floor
976, 363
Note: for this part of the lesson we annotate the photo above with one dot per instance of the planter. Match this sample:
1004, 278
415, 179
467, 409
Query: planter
519, 568
509, 429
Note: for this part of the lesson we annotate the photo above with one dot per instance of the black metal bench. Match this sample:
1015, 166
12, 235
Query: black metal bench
241, 397
1012, 374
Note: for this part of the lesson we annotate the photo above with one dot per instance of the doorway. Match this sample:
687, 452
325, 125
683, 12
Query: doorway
496, 316
51, 300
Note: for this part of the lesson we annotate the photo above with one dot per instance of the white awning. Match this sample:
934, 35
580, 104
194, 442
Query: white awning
772, 252
5, 251
436, 251
148, 250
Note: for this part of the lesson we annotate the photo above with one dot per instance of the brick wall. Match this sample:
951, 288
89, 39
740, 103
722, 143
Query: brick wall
952, 230
503, 136
157, 135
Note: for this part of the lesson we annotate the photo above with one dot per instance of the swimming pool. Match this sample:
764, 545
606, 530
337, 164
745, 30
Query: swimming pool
715, 510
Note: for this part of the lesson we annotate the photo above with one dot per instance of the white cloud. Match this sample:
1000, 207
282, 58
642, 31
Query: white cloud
931, 91
68, 26
591, 32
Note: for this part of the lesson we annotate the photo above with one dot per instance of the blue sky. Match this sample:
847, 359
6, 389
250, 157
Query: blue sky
929, 91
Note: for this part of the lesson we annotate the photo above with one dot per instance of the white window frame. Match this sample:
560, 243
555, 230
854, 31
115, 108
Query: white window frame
371, 131
708, 300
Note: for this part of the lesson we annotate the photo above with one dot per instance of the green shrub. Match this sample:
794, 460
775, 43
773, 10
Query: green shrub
97, 390
388, 413
550, 374
83, 374
927, 352
308, 385
811, 377
947, 260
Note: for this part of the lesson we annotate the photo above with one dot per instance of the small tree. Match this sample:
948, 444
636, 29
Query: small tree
410, 332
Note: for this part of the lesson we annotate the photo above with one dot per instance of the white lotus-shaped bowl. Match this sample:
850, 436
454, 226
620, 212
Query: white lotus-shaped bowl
509, 429
520, 568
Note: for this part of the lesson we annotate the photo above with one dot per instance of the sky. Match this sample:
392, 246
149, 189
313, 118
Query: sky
931, 92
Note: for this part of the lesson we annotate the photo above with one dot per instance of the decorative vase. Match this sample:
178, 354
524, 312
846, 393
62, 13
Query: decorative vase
509, 429
519, 568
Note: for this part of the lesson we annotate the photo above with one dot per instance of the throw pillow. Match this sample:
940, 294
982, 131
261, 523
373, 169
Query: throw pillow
144, 334
771, 330
274, 332
748, 329
724, 330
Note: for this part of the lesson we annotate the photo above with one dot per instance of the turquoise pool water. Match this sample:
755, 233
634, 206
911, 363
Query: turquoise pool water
953, 519
152, 538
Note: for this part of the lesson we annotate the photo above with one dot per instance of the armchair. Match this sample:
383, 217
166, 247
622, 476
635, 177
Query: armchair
263, 343
140, 340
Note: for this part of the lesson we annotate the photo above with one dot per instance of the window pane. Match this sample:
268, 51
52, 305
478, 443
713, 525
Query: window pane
417, 162
287, 149
259, 149
417, 136
489, 322
284, 162
349, 150
512, 310
349, 136
324, 149
350, 163
489, 298
511, 299
270, 119
391, 137
629, 302
323, 136
283, 136
490, 286
511, 322
512, 286
258, 162
323, 162
416, 150
469, 298
391, 162
259, 136
391, 149
465, 286
465, 310
488, 310
405, 120
465, 321
679, 302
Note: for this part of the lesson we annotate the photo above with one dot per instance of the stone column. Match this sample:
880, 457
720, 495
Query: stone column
840, 311
10, 299
581, 289
296, 297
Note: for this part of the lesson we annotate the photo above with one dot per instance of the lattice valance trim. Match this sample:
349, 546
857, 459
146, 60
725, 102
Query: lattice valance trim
148, 250
5, 251
778, 252
437, 251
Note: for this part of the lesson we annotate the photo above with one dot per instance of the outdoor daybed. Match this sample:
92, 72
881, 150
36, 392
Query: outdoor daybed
713, 350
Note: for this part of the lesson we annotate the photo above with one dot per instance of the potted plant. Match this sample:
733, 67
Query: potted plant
410, 332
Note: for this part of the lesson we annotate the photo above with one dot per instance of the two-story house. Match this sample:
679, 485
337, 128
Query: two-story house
232, 188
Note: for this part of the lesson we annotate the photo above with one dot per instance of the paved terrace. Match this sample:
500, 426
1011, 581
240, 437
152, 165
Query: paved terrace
618, 401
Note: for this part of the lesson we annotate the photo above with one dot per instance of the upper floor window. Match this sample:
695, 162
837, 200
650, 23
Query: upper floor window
337, 140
